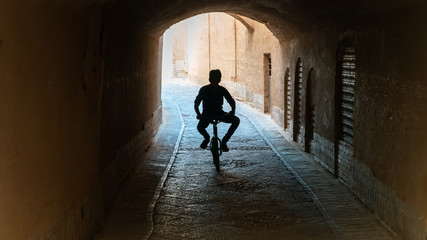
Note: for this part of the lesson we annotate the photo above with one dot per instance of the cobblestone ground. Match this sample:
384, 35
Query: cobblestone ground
267, 188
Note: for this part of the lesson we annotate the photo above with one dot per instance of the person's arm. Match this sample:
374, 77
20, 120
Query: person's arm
230, 101
196, 105
196, 108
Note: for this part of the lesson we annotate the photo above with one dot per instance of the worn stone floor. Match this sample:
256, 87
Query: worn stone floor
267, 187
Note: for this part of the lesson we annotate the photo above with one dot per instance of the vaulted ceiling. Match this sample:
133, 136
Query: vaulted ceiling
281, 16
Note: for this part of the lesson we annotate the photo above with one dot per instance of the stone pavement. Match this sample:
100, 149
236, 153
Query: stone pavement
267, 187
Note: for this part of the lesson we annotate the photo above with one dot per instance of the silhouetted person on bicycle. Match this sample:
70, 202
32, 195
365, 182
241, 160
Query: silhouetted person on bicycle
213, 96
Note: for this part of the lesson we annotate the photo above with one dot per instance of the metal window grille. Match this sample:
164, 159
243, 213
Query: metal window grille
288, 99
348, 73
298, 96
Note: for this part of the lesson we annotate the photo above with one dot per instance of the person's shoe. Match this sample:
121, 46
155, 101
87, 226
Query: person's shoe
224, 147
204, 144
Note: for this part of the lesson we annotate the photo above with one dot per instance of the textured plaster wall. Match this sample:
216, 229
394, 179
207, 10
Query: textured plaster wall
178, 36
219, 41
167, 55
179, 48
393, 142
81, 101
131, 106
198, 49
251, 47
49, 127
222, 45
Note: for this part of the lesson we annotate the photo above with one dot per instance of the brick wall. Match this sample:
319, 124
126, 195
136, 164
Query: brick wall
378, 198
301, 138
126, 157
345, 160
278, 115
323, 151
382, 200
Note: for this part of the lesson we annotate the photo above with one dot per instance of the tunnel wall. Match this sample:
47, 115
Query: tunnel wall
131, 106
49, 127
70, 131
386, 166
392, 145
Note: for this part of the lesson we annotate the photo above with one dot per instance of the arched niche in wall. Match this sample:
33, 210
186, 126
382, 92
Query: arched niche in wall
310, 111
267, 83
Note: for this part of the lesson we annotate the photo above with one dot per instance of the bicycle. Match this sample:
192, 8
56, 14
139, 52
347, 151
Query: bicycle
215, 143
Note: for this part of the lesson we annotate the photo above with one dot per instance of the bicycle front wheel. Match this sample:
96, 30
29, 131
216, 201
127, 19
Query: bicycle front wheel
215, 153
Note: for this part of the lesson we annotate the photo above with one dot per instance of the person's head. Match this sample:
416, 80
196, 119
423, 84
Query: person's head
215, 76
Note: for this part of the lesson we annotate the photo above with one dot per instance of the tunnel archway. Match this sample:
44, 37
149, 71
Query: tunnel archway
114, 100
294, 23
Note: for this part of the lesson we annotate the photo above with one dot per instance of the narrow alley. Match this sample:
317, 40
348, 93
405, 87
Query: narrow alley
267, 187
95, 144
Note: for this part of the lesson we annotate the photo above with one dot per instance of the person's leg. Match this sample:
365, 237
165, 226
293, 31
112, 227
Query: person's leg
201, 127
235, 121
